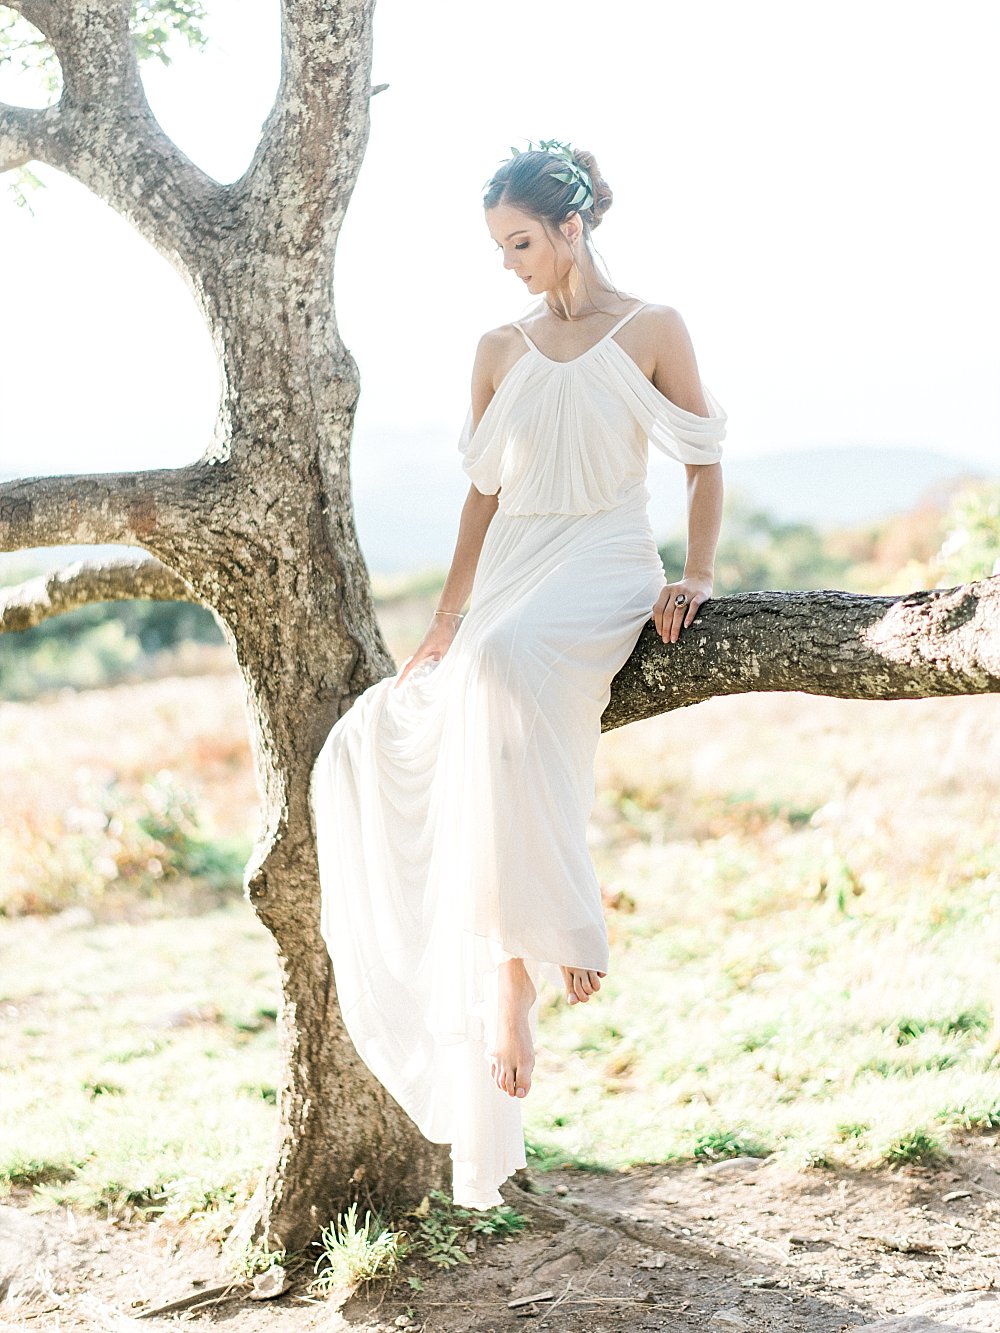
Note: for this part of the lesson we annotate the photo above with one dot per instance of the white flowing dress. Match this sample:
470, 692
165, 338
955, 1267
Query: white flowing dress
451, 811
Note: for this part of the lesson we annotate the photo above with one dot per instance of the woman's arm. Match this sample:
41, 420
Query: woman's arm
704, 511
477, 513
677, 376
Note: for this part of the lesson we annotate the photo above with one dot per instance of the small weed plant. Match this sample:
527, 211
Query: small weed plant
353, 1254
258, 1259
445, 1234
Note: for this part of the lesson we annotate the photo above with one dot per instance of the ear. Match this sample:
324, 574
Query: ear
572, 227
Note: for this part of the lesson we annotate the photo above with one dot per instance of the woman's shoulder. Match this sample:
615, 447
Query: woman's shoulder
656, 315
660, 331
498, 347
500, 336
661, 346
650, 334
496, 353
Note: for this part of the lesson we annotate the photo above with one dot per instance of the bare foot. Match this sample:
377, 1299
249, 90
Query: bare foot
514, 1058
581, 983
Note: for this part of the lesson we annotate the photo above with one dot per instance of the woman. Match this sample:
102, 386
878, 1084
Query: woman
451, 801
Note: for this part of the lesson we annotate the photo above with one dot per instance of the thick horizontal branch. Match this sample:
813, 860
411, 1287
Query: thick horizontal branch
86, 581
834, 643
128, 508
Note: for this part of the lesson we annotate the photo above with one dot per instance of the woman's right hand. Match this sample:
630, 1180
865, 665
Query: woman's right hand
433, 645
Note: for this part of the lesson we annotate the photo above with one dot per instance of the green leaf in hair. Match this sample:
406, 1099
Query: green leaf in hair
583, 195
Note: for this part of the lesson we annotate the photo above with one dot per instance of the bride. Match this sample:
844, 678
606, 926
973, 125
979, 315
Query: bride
451, 801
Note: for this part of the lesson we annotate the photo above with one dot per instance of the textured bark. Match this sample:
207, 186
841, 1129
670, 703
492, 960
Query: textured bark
834, 643
29, 603
261, 530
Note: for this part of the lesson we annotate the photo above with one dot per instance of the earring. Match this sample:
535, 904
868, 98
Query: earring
573, 279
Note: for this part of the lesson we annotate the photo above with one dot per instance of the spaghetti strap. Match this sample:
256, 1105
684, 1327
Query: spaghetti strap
625, 319
524, 336
610, 334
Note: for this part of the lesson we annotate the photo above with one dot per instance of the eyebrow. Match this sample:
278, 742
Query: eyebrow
522, 232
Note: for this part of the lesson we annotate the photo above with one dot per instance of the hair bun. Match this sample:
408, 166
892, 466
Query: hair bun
603, 196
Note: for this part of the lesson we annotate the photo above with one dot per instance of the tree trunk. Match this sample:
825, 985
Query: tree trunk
261, 530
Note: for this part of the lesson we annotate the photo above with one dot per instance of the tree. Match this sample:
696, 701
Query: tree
971, 548
261, 531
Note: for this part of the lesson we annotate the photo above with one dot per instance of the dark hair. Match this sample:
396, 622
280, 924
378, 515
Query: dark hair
528, 181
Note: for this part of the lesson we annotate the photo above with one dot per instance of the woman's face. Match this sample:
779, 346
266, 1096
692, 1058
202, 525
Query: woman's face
539, 261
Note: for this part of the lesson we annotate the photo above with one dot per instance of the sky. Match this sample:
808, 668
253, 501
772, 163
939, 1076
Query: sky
807, 183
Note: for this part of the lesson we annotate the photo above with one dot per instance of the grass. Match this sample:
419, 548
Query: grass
802, 901
438, 1231
353, 1254
445, 1234
137, 1072
797, 945
113, 799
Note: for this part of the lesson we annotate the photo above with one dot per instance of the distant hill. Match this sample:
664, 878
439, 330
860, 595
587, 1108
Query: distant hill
408, 492
842, 487
408, 496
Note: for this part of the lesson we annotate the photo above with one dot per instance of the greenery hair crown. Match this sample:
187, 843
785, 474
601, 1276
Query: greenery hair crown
583, 195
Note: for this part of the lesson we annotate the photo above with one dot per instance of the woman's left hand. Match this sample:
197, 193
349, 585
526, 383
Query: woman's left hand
669, 616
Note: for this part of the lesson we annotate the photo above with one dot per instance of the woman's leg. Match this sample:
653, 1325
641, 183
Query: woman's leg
513, 1057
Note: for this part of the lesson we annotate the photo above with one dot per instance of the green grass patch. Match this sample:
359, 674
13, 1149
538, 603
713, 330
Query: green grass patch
163, 1097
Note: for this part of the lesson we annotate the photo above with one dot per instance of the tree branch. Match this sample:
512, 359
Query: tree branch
91, 38
834, 643
103, 132
43, 14
22, 132
164, 509
314, 138
85, 581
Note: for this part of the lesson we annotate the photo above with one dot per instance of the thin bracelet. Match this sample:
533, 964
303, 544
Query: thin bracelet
458, 614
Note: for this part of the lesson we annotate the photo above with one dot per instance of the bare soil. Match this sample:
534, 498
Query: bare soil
736, 1244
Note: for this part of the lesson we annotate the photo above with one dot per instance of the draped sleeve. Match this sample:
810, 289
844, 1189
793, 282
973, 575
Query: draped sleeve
572, 437
483, 449
684, 435
480, 463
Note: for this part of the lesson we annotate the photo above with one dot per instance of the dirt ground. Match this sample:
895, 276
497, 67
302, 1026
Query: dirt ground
737, 1244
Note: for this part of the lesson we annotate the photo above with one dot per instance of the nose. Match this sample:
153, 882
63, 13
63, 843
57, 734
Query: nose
510, 261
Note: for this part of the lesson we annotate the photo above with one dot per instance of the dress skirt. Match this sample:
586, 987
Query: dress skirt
451, 816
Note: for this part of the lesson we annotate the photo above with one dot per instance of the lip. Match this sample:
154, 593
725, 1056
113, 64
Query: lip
525, 279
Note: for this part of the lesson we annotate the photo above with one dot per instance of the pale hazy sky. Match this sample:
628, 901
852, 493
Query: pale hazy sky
810, 184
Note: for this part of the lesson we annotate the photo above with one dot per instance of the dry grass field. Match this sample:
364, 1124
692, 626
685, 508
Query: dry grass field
802, 896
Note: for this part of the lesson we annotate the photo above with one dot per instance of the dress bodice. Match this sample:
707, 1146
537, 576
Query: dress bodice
571, 437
